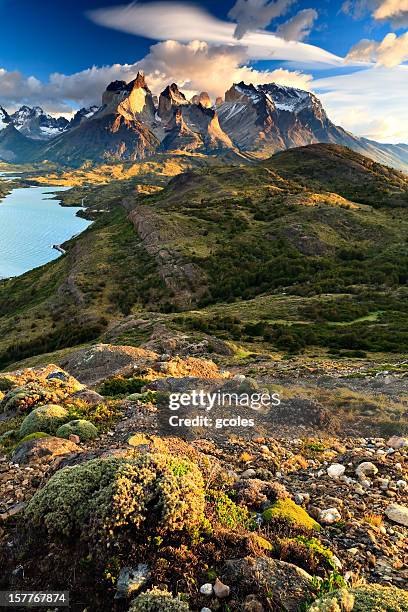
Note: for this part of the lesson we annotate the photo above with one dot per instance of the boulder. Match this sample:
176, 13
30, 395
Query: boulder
92, 365
44, 449
291, 586
131, 580
90, 397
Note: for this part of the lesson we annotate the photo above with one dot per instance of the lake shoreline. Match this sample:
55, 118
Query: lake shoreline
33, 227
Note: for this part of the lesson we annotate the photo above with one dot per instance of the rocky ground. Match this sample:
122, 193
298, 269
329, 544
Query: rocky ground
303, 513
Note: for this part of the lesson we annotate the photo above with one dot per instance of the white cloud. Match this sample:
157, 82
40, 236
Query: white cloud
185, 22
61, 92
370, 102
390, 52
252, 15
195, 66
199, 66
299, 26
395, 11
392, 9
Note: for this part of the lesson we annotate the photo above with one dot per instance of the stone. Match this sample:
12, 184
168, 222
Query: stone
291, 586
45, 449
336, 470
329, 516
383, 483
397, 514
221, 590
250, 473
206, 589
16, 509
58, 375
397, 442
74, 438
131, 580
205, 610
366, 469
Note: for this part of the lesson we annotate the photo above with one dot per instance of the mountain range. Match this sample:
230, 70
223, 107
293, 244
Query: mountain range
132, 124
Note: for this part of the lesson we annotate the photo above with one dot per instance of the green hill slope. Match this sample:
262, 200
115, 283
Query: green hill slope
225, 235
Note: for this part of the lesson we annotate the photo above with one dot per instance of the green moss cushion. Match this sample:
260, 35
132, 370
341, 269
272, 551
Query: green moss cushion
287, 509
80, 427
47, 419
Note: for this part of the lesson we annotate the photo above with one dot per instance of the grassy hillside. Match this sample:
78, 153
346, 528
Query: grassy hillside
219, 243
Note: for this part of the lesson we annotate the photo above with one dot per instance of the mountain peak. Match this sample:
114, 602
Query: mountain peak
203, 98
171, 97
35, 123
138, 82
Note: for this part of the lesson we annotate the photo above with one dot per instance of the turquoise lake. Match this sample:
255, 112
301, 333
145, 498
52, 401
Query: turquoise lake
30, 223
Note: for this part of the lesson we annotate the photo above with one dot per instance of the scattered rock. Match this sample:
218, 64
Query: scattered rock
336, 470
366, 469
329, 516
397, 514
206, 589
16, 509
221, 590
250, 473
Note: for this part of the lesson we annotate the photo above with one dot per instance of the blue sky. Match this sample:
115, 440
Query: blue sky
61, 54
59, 37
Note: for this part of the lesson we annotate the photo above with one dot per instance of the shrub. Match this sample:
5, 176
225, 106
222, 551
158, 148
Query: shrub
308, 553
104, 496
366, 598
80, 427
288, 510
27, 397
158, 601
121, 386
6, 383
46, 418
229, 514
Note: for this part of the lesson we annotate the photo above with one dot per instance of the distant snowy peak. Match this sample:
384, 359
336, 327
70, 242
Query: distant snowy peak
244, 93
289, 98
35, 123
5, 119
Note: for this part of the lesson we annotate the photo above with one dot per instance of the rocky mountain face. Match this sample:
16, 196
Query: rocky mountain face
38, 125
133, 124
14, 146
270, 118
82, 115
